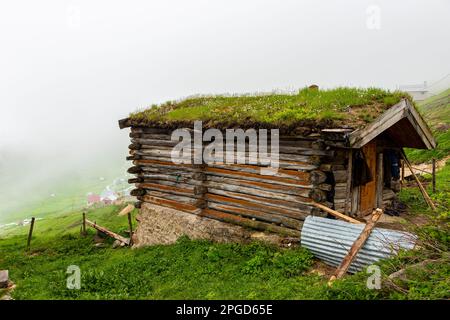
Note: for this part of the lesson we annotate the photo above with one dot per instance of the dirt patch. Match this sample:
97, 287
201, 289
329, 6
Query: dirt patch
322, 269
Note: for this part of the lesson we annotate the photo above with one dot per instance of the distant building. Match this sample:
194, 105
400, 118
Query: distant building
418, 92
108, 196
93, 198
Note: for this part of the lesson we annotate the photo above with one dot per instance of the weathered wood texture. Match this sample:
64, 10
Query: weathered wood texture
368, 191
239, 193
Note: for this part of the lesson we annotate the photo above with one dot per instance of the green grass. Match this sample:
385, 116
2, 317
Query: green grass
436, 111
351, 106
185, 270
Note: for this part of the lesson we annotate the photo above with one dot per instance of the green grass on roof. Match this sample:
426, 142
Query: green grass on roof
351, 106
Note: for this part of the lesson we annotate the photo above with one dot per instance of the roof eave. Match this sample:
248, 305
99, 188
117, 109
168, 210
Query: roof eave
401, 110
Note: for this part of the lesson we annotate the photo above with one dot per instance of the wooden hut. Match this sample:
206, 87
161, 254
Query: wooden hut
341, 154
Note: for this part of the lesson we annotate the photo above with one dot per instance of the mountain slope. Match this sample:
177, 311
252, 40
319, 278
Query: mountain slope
436, 111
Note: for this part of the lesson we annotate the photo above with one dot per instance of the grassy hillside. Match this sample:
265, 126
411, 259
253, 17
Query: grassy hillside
199, 269
436, 111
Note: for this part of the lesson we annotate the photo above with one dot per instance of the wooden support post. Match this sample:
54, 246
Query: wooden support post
422, 189
335, 213
379, 189
83, 232
349, 182
131, 228
403, 170
30, 233
433, 174
357, 245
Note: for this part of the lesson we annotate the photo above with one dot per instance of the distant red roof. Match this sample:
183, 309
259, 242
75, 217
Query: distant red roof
93, 198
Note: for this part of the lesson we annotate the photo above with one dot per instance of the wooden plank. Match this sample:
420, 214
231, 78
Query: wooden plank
357, 245
108, 232
335, 213
368, 190
348, 189
126, 210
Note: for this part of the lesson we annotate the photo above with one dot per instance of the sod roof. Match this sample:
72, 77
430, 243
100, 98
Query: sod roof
334, 108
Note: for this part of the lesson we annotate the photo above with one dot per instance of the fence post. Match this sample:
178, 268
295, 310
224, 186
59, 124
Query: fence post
434, 174
84, 224
30, 233
131, 228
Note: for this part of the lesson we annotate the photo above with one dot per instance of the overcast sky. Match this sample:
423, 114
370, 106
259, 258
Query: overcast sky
70, 69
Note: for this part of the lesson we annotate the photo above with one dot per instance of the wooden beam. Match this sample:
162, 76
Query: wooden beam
421, 188
349, 181
357, 245
422, 124
107, 232
335, 213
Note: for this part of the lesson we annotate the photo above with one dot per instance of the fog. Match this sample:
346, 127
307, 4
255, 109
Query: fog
70, 69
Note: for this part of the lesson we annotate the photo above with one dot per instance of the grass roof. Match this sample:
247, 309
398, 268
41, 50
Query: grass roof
340, 107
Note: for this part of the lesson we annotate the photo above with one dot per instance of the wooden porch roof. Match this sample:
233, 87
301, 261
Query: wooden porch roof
402, 123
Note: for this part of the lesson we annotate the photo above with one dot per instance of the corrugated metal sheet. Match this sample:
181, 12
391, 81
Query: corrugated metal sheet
330, 240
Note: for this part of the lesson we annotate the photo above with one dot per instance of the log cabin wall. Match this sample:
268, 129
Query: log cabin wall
238, 193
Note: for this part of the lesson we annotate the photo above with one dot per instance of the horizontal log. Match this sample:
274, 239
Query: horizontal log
291, 212
331, 167
166, 179
288, 165
150, 130
258, 215
291, 150
256, 177
258, 192
300, 176
317, 177
165, 165
134, 170
336, 214
184, 190
300, 207
318, 195
177, 187
165, 202
249, 223
190, 200
108, 232
340, 175
137, 192
302, 162
292, 190
155, 142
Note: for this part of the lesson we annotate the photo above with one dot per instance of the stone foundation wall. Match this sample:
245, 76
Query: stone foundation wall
162, 225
